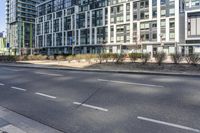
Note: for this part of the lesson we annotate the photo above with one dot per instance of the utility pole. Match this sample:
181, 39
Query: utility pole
161, 42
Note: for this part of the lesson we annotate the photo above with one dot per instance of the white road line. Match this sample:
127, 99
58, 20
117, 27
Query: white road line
15, 70
1, 84
45, 95
91, 106
50, 74
17, 88
130, 83
168, 124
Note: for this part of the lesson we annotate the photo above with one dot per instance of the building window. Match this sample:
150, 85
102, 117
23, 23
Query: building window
56, 25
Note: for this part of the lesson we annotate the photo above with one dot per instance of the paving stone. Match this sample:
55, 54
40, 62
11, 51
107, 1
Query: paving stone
11, 129
3, 122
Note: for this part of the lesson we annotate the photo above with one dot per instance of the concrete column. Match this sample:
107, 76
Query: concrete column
66, 41
60, 27
86, 22
186, 25
36, 44
177, 20
158, 20
95, 35
44, 41
150, 50
115, 31
138, 31
167, 29
74, 30
190, 3
186, 50
52, 32
55, 35
131, 22
150, 9
104, 16
48, 51
72, 22
62, 30
124, 12
108, 24
90, 27
79, 37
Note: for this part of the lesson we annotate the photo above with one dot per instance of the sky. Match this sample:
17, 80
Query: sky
2, 15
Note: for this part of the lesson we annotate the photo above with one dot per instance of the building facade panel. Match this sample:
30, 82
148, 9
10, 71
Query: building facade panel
192, 26
84, 26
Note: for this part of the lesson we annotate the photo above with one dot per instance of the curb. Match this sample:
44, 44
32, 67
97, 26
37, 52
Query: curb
105, 71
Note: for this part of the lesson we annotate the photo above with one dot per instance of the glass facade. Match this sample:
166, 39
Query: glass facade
21, 25
90, 24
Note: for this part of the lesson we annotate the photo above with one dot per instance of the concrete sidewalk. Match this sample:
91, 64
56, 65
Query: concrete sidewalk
36, 66
11, 122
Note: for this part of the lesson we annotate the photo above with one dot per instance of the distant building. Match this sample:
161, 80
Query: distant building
21, 25
83, 26
192, 27
1, 34
3, 49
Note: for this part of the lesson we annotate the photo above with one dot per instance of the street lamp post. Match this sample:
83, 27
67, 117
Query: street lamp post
176, 48
136, 43
161, 42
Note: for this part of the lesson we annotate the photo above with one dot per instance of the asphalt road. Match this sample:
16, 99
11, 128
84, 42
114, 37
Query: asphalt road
90, 102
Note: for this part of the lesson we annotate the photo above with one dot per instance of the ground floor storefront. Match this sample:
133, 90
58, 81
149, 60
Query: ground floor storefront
190, 49
152, 49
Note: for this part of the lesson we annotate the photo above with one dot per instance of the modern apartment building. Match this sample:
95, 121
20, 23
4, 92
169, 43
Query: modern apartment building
3, 49
20, 25
90, 26
192, 27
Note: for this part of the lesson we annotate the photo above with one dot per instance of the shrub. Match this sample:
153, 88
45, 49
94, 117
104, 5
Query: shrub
60, 58
176, 58
188, 59
95, 57
30, 57
87, 57
22, 58
160, 57
78, 57
193, 59
106, 56
120, 58
70, 58
114, 56
145, 58
34, 57
44, 57
100, 57
134, 56
8, 58
38, 57
51, 57
12, 58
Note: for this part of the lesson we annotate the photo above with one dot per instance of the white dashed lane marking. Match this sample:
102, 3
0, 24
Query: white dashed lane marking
14, 70
130, 83
49, 74
1, 84
45, 95
168, 124
90, 106
17, 88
